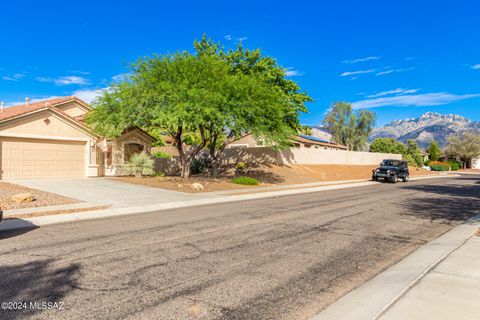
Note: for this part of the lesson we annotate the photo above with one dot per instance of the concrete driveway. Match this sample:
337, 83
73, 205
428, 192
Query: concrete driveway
106, 191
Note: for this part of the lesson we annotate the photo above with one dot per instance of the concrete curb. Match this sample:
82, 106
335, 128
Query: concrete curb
79, 205
372, 299
60, 218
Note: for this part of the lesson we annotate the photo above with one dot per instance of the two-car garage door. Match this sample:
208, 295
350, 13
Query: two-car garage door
33, 158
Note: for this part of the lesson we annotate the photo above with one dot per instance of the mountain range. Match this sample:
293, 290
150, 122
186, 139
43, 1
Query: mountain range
429, 126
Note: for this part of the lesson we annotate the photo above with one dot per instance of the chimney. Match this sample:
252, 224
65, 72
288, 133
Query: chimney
27, 101
2, 105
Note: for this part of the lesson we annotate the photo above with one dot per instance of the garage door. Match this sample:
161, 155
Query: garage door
31, 158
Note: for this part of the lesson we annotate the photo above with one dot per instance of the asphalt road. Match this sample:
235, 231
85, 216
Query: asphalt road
278, 258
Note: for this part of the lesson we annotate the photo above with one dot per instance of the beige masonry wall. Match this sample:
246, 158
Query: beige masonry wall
305, 156
292, 156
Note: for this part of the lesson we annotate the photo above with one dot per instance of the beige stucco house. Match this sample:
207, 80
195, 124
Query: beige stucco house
300, 141
50, 139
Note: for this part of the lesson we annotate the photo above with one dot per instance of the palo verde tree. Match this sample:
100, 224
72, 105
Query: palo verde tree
262, 101
197, 94
171, 93
349, 128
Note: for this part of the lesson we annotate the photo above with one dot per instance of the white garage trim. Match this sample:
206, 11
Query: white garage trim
35, 136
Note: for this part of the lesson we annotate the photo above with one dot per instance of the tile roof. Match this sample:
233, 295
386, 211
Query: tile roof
316, 141
10, 112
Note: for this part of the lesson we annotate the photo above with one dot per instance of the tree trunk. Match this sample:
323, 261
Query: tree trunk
216, 154
184, 165
186, 160
213, 156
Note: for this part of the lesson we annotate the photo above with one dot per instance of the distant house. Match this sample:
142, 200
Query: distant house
300, 141
476, 163
425, 156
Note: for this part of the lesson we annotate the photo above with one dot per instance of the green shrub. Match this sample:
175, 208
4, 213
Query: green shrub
241, 166
245, 181
200, 164
455, 165
162, 155
439, 167
140, 164
410, 159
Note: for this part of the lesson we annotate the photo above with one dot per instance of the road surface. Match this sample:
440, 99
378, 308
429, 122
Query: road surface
277, 258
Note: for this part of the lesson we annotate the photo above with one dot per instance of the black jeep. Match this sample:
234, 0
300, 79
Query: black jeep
391, 170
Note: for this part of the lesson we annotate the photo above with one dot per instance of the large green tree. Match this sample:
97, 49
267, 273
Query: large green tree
410, 152
434, 151
387, 145
274, 107
349, 128
200, 94
414, 151
464, 146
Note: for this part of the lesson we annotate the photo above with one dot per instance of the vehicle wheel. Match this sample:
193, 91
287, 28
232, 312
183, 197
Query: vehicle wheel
374, 178
406, 178
394, 179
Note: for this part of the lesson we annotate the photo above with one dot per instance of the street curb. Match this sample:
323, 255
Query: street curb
97, 214
376, 296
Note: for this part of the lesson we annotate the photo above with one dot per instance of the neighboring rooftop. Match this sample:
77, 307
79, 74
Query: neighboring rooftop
317, 141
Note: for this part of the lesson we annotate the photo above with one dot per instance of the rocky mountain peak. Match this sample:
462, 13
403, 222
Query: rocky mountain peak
429, 126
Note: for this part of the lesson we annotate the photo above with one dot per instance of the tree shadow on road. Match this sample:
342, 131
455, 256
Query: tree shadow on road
37, 281
451, 202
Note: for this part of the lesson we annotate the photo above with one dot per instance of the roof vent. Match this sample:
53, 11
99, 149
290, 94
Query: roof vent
27, 101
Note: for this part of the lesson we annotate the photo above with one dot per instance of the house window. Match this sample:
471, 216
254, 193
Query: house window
109, 155
130, 149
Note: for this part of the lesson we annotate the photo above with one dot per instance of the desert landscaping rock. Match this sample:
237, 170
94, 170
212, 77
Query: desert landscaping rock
197, 186
23, 197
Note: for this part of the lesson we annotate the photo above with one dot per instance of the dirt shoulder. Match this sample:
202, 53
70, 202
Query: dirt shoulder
7, 190
267, 175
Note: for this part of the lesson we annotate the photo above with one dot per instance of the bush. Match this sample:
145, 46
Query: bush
200, 164
410, 159
245, 181
439, 166
162, 155
241, 166
455, 165
140, 164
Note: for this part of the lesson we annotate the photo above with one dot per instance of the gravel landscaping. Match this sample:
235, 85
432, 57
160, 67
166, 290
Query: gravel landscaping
7, 190
267, 175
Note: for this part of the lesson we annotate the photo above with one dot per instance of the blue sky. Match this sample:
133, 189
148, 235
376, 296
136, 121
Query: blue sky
398, 58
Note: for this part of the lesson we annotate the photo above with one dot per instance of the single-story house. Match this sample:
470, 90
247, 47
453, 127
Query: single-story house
49, 138
300, 141
425, 155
